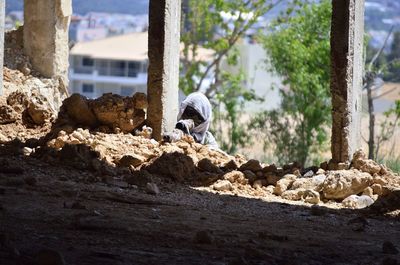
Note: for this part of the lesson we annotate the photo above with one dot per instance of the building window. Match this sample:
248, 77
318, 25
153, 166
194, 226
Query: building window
127, 91
86, 61
87, 88
133, 69
118, 68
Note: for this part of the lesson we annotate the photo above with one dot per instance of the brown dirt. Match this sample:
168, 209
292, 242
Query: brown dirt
83, 196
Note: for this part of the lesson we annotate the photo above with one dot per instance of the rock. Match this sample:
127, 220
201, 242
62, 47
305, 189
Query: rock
236, 176
38, 113
3, 138
7, 114
320, 171
324, 165
230, 165
49, 257
302, 183
389, 248
258, 184
368, 192
27, 151
365, 165
203, 237
269, 169
250, 176
78, 110
290, 176
206, 165
357, 202
116, 111
131, 160
272, 178
270, 189
377, 189
139, 178
174, 165
293, 195
309, 174
379, 180
222, 185
311, 196
343, 183
152, 188
283, 184
252, 165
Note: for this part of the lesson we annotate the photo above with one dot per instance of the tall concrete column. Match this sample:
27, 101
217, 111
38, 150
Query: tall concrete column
2, 20
163, 71
46, 24
346, 76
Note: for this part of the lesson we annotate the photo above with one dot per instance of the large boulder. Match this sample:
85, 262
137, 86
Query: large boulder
340, 184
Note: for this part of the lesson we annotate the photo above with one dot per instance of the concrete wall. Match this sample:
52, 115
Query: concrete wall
163, 71
346, 76
46, 35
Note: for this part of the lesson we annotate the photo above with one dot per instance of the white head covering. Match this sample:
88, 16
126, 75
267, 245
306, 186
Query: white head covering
202, 105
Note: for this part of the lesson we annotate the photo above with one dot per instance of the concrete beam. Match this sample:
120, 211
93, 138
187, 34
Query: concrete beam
346, 76
2, 20
163, 71
46, 24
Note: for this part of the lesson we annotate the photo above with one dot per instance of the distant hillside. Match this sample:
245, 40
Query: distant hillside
83, 6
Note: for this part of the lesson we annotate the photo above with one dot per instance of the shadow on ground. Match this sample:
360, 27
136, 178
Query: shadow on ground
55, 207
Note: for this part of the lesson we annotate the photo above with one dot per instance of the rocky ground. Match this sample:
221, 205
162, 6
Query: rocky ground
88, 185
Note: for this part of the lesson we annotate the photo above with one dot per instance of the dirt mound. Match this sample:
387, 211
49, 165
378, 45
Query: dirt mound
109, 113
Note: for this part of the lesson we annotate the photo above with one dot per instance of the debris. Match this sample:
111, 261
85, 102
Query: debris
222, 185
357, 202
340, 184
365, 165
152, 188
252, 165
311, 196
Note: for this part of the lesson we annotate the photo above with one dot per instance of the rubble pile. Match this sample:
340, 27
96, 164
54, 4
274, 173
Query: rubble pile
108, 113
357, 186
28, 100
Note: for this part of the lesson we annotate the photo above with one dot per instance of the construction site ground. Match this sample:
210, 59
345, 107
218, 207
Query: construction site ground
97, 223
51, 212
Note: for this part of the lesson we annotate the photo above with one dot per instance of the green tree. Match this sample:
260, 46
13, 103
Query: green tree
393, 59
299, 51
218, 25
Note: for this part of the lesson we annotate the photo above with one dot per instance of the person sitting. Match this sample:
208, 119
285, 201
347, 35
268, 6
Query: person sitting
194, 118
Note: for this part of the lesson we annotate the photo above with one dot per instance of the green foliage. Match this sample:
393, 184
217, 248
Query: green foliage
204, 27
299, 51
393, 60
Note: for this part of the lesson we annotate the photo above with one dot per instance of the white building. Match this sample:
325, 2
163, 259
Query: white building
113, 65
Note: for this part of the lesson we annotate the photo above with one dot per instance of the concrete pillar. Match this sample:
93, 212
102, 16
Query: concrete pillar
2, 19
163, 71
346, 76
46, 24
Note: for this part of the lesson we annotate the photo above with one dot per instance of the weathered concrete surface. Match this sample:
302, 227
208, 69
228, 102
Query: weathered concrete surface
46, 36
2, 16
163, 72
346, 76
